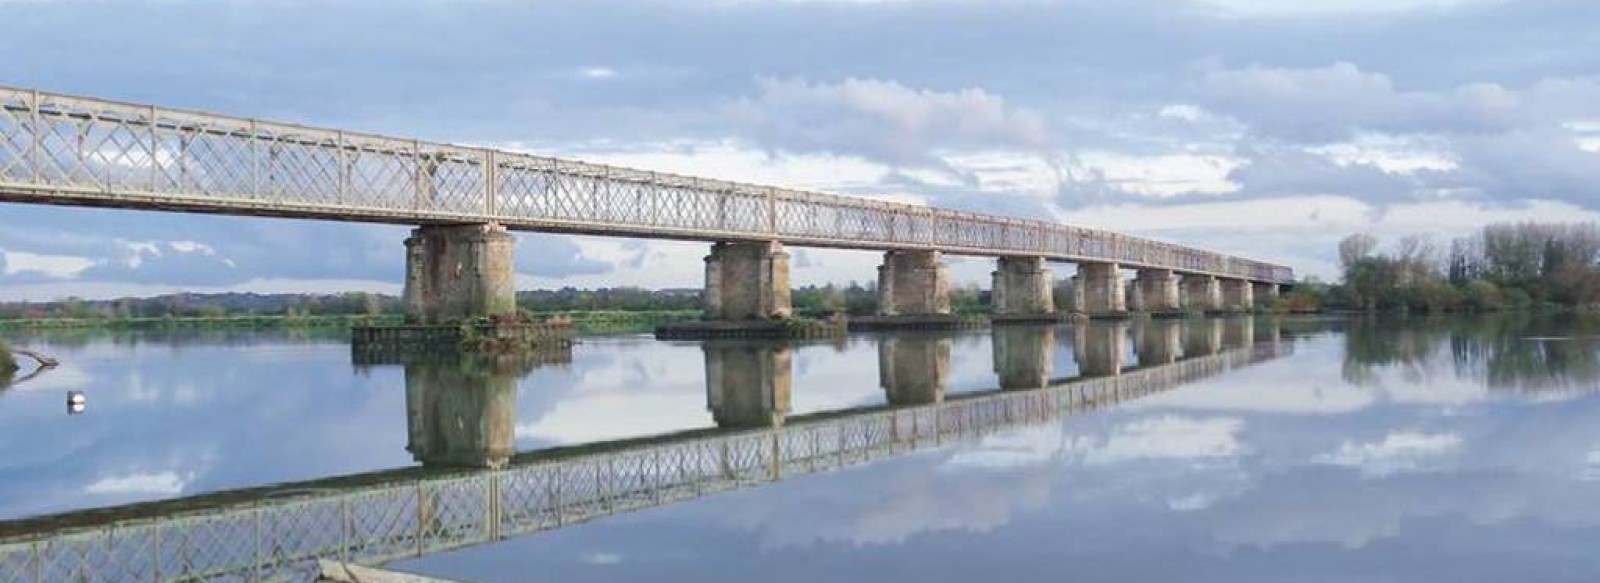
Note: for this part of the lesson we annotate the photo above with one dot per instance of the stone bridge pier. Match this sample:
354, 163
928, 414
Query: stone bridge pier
747, 281
459, 272
913, 370
913, 283
1238, 295
1024, 356
1155, 291
1158, 341
1101, 347
1023, 290
1201, 293
748, 385
1103, 293
1266, 294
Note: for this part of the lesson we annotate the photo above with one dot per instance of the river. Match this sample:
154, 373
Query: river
1247, 448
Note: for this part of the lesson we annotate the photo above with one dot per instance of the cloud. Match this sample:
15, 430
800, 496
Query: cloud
1333, 103
884, 121
1288, 171
1502, 144
159, 483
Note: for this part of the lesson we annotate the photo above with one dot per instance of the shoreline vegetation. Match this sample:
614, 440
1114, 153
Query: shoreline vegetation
1537, 267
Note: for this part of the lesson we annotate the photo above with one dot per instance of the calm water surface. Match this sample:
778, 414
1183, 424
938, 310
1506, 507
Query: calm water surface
1405, 450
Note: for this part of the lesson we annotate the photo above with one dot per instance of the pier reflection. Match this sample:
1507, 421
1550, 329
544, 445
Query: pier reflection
1158, 341
1201, 337
1101, 347
461, 407
748, 383
914, 369
1024, 355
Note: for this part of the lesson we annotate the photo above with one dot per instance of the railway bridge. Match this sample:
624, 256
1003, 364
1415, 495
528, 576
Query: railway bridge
464, 201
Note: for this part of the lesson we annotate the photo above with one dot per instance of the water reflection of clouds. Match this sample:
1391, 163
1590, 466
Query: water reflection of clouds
1398, 452
163, 422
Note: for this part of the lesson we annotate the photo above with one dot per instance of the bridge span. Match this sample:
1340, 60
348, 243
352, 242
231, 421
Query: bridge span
277, 533
80, 151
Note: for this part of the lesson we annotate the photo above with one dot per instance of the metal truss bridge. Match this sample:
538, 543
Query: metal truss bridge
60, 149
277, 533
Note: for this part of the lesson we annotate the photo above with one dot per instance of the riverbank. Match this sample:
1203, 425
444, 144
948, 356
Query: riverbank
588, 322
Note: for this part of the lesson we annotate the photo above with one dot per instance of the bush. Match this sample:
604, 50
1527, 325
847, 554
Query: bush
1483, 296
1297, 302
1518, 299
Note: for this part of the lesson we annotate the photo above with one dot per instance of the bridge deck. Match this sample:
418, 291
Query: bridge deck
276, 533
59, 149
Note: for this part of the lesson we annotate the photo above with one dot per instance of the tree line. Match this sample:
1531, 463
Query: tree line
1508, 266
852, 298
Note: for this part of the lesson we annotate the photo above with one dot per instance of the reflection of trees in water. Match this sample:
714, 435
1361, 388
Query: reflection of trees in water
1411, 344
1517, 352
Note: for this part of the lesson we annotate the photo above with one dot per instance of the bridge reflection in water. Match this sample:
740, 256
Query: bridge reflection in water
460, 417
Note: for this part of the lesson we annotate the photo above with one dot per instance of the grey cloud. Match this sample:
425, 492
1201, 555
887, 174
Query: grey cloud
1334, 103
1536, 163
548, 255
969, 197
1284, 171
884, 120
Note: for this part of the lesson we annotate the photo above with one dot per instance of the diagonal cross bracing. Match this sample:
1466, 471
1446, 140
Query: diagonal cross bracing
60, 149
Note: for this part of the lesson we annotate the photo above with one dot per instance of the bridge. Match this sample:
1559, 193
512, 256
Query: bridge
277, 533
68, 150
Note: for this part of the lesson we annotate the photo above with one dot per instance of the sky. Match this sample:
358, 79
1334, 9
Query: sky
1260, 128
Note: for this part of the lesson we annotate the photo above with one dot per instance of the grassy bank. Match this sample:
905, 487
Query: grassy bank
591, 322
205, 322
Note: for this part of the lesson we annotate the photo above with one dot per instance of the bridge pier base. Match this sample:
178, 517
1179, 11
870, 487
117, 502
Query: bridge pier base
1266, 294
1022, 291
1201, 293
748, 385
913, 370
747, 281
913, 293
1238, 295
459, 272
1103, 294
1157, 290
747, 296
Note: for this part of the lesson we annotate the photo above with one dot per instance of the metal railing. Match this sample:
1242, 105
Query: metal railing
60, 149
275, 534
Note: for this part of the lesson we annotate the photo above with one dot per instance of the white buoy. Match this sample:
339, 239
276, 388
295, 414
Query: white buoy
76, 402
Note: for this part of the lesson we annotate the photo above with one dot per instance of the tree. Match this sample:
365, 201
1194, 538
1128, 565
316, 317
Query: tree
1355, 248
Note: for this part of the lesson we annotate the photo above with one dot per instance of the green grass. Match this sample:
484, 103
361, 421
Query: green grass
338, 321
595, 321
